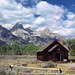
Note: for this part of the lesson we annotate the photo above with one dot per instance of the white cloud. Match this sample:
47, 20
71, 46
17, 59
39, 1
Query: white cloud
70, 16
51, 16
44, 8
63, 31
11, 12
8, 25
26, 26
39, 20
31, 2
54, 15
41, 28
69, 24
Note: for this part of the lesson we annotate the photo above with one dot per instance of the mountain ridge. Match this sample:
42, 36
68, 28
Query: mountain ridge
17, 26
28, 35
7, 37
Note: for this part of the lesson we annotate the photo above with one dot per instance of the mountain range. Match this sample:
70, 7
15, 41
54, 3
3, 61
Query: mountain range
20, 35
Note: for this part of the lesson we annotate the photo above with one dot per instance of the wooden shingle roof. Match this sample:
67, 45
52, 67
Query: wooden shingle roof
45, 46
52, 48
66, 47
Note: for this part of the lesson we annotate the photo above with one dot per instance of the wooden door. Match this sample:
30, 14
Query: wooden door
58, 56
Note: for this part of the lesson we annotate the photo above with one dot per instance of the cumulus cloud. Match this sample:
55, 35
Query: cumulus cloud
41, 28
63, 31
28, 3
43, 8
11, 12
26, 26
54, 16
69, 24
8, 25
70, 16
57, 18
39, 20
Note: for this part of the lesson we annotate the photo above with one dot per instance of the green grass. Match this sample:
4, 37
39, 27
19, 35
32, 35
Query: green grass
27, 61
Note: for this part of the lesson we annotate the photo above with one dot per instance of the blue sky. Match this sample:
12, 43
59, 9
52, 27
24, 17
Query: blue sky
69, 4
57, 15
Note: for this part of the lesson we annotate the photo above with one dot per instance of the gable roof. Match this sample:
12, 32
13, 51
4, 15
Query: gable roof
52, 48
45, 46
64, 46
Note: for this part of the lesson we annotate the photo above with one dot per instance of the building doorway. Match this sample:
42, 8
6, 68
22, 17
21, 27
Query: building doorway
58, 56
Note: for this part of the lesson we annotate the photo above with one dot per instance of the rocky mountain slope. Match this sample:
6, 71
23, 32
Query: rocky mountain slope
8, 38
18, 34
18, 25
2, 42
33, 36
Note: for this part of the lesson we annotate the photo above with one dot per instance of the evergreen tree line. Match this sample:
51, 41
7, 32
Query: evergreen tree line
16, 49
71, 46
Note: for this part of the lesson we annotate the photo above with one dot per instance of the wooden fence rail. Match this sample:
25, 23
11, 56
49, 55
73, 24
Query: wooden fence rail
59, 70
34, 68
41, 73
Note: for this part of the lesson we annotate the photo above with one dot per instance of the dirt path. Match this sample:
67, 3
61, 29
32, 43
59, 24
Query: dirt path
69, 65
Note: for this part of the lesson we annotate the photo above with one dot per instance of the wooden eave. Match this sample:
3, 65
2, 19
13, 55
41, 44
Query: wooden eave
53, 48
64, 46
45, 46
50, 43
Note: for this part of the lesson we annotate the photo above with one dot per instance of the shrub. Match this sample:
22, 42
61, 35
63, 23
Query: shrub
24, 64
27, 70
52, 64
6, 71
48, 64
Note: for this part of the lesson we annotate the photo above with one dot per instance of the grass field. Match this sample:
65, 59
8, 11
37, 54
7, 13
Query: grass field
29, 61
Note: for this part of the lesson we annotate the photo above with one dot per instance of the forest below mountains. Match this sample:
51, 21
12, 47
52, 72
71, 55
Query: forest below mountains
71, 46
31, 49
16, 49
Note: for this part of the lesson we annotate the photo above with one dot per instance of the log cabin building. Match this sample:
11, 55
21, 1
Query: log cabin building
54, 51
